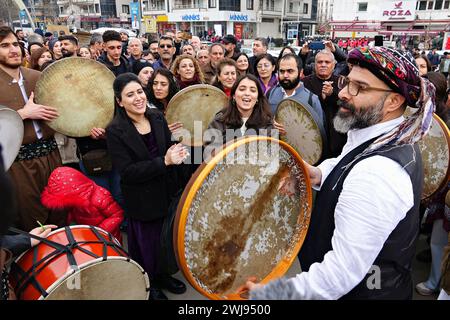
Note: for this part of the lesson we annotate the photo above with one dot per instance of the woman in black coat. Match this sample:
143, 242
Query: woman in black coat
139, 142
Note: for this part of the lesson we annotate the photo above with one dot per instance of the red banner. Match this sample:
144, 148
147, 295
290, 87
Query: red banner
238, 30
447, 44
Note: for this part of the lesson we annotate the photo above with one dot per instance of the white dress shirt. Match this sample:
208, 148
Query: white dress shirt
375, 197
36, 126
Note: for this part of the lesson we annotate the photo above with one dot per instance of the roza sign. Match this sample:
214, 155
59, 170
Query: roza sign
398, 12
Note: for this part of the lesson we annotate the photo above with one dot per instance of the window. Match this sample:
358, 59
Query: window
230, 5
212, 3
430, 5
97, 8
438, 4
291, 7
362, 6
305, 8
126, 9
249, 4
422, 5
447, 4
61, 10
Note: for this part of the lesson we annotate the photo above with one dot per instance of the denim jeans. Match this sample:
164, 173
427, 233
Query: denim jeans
439, 239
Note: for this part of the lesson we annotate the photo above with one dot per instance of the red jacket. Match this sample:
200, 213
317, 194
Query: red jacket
88, 203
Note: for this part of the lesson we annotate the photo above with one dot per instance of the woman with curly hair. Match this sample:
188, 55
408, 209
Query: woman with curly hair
187, 71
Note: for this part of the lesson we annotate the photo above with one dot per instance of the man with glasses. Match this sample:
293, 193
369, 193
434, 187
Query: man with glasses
166, 50
361, 238
325, 85
112, 56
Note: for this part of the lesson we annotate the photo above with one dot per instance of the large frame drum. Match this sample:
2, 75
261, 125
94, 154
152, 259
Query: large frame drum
11, 135
244, 213
79, 263
435, 151
195, 107
82, 92
304, 131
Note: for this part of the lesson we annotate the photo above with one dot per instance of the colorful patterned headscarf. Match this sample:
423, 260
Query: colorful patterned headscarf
399, 71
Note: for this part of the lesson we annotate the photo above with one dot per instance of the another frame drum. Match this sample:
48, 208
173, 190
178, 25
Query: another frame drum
244, 213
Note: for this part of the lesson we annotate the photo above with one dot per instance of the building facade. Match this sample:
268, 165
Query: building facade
246, 19
324, 15
410, 22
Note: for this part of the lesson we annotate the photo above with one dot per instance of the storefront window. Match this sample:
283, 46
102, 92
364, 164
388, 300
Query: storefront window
249, 31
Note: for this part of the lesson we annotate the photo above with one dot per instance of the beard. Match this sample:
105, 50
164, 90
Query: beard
287, 84
66, 54
4, 62
357, 118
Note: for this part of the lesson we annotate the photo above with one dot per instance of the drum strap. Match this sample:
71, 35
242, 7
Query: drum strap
29, 277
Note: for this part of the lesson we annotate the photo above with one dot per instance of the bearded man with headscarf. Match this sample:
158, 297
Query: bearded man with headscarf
363, 229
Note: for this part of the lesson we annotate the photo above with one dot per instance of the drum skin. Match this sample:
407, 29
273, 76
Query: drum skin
11, 135
118, 277
243, 218
196, 103
435, 151
82, 92
303, 132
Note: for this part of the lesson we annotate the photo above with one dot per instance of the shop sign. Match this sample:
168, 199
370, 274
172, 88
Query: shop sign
190, 17
239, 17
399, 10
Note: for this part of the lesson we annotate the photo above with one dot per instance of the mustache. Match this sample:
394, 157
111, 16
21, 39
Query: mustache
346, 105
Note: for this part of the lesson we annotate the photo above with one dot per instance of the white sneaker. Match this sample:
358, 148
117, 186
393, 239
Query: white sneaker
423, 290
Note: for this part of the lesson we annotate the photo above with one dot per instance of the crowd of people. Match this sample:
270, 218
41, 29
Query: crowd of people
367, 210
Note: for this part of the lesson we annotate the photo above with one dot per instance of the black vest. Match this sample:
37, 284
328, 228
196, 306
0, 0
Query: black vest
395, 258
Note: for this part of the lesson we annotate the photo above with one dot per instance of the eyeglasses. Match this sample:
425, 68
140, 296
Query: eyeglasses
165, 46
354, 88
266, 66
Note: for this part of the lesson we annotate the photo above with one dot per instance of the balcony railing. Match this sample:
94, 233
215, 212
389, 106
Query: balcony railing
190, 5
154, 6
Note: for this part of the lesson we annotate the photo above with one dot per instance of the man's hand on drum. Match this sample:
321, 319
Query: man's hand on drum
176, 154
175, 126
42, 232
279, 127
98, 133
315, 175
35, 111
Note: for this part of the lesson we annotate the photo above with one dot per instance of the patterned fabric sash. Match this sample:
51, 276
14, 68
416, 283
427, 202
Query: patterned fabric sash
36, 149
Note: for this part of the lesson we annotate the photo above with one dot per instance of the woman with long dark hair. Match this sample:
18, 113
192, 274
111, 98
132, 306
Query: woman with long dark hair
247, 112
161, 89
243, 64
139, 142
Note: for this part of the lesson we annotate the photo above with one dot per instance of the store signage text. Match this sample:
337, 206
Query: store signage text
190, 17
238, 17
398, 12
